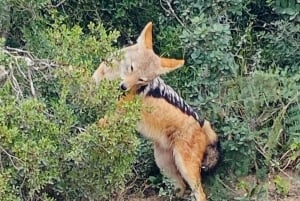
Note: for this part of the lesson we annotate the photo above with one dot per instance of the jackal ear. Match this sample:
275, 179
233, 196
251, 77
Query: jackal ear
145, 38
100, 72
168, 65
106, 71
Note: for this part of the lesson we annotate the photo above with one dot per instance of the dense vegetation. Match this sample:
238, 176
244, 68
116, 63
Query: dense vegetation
242, 73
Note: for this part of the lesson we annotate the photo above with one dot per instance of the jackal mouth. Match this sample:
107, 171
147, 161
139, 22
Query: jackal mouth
142, 82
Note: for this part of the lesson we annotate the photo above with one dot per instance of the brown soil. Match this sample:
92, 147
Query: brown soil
292, 178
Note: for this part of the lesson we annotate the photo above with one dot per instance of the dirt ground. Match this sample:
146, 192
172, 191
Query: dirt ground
291, 181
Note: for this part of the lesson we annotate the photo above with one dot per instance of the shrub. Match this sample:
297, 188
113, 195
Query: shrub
51, 146
242, 73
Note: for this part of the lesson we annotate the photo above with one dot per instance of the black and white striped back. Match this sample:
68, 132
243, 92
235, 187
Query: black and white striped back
158, 89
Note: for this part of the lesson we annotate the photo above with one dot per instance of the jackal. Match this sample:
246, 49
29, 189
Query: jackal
183, 143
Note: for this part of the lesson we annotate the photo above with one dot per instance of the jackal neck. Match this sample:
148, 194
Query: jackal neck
158, 89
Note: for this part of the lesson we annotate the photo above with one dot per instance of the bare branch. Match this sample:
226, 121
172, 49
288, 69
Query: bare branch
171, 11
31, 84
11, 157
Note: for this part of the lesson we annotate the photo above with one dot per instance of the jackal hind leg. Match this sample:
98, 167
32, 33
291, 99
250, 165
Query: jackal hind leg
189, 165
165, 161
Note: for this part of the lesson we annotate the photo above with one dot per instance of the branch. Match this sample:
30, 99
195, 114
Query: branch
16, 70
171, 11
14, 82
11, 157
31, 84
273, 163
226, 186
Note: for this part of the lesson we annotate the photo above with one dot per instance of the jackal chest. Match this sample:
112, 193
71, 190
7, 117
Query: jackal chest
160, 135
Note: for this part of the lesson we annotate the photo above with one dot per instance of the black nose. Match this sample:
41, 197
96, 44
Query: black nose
123, 87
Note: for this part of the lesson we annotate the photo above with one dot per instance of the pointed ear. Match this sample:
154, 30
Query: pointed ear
99, 72
145, 38
106, 71
168, 65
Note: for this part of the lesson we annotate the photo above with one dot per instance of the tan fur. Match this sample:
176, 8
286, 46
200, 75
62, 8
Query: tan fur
179, 141
175, 134
212, 136
105, 72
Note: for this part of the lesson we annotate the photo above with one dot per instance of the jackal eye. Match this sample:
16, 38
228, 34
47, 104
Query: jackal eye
131, 68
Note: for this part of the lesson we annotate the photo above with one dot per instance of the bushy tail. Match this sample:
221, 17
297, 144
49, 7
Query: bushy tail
212, 153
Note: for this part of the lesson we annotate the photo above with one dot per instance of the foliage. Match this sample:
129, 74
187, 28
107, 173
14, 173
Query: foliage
281, 185
51, 145
70, 45
242, 74
289, 9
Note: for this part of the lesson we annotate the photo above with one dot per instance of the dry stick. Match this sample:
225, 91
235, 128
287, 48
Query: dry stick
289, 160
17, 51
259, 149
18, 66
284, 155
283, 111
15, 83
273, 163
31, 84
226, 186
80, 129
1, 165
171, 10
57, 5
120, 195
11, 157
287, 164
30, 60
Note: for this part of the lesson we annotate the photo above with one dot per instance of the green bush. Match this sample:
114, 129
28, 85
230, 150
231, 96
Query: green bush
242, 73
51, 145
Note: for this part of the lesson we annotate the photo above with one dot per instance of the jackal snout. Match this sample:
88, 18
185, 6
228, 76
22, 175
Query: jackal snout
123, 87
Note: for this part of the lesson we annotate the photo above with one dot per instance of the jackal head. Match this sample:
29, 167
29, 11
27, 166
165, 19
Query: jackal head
138, 64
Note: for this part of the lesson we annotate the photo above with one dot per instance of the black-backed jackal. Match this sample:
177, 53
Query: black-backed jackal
182, 142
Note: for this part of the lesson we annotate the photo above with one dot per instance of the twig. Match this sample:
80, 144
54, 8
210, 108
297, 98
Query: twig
15, 83
11, 157
287, 164
292, 100
17, 51
33, 66
286, 153
171, 11
120, 195
57, 5
80, 129
226, 186
273, 163
31, 83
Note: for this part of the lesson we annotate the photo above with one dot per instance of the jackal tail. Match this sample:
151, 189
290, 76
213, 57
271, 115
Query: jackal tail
212, 153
